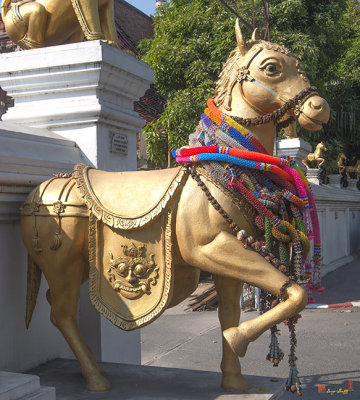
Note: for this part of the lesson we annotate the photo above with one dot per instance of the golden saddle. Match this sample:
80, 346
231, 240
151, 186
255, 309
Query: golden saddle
130, 241
127, 200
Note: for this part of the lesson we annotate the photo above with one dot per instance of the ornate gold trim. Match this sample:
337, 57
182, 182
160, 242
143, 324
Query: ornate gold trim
94, 277
117, 221
47, 209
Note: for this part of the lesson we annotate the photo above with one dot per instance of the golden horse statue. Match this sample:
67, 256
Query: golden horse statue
316, 156
142, 237
41, 23
350, 169
353, 169
340, 162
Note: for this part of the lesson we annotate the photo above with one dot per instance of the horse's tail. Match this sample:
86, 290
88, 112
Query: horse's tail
5, 7
33, 286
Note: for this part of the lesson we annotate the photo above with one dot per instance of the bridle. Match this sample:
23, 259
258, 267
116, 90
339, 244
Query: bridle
295, 104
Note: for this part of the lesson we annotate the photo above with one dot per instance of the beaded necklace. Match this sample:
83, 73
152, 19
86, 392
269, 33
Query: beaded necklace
279, 192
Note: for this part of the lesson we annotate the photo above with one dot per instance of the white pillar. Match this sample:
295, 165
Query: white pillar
297, 148
84, 92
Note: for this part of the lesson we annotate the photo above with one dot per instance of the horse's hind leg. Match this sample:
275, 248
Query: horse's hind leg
229, 291
35, 15
64, 296
65, 269
305, 163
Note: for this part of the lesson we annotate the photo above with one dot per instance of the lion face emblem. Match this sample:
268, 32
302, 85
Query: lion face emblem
134, 274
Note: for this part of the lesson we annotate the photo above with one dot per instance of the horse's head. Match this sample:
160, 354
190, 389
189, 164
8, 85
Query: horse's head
321, 146
261, 77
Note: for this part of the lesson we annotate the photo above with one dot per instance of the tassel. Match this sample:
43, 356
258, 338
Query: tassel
56, 242
293, 382
275, 354
36, 240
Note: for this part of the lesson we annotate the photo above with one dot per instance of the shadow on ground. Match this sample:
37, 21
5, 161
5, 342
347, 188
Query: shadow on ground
147, 383
344, 385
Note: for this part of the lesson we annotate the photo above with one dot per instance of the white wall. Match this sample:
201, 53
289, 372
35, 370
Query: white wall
28, 156
339, 217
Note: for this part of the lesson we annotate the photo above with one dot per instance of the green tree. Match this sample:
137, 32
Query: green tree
193, 39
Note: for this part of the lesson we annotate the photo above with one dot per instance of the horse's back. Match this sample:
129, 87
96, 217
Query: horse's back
129, 194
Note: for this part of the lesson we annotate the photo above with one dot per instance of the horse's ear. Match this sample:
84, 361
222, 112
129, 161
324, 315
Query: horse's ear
255, 36
240, 39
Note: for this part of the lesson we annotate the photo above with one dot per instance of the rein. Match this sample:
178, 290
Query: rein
277, 114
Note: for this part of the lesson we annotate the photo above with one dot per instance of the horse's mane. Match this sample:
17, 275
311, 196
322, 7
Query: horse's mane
229, 73
341, 155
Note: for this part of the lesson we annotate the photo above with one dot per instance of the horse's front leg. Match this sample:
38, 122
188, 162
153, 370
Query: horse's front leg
322, 160
224, 255
229, 291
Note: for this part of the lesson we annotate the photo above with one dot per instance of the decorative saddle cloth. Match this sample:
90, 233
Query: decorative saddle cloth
130, 241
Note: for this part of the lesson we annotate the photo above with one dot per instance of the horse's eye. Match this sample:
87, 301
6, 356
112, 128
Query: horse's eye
271, 68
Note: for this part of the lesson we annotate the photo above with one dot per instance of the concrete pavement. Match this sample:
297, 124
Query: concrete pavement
328, 341
181, 354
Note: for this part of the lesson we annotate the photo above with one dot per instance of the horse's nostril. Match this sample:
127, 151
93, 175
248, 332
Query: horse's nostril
315, 105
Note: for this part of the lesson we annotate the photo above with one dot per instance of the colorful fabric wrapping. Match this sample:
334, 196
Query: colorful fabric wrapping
280, 175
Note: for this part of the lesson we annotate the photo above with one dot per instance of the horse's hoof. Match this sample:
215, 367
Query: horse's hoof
234, 382
97, 383
236, 340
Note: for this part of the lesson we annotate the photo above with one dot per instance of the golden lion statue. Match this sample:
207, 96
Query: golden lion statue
41, 23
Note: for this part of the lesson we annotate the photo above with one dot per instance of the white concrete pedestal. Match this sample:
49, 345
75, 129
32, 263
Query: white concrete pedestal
335, 180
83, 91
313, 175
297, 148
352, 184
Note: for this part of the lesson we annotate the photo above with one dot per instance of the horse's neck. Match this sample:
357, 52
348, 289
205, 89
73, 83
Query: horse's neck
318, 151
341, 161
264, 133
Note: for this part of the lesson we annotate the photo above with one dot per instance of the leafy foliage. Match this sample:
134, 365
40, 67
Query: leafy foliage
193, 39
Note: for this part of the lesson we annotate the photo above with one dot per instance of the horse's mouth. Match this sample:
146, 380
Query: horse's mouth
314, 113
309, 123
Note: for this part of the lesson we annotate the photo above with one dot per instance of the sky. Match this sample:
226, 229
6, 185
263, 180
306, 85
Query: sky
146, 6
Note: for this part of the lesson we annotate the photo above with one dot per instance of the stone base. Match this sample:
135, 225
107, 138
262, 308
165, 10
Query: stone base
352, 184
24, 387
313, 175
297, 148
335, 181
149, 383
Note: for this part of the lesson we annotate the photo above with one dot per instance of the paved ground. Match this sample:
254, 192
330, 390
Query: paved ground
328, 341
181, 354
